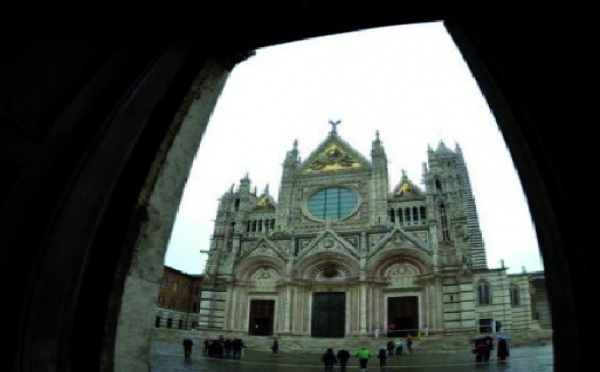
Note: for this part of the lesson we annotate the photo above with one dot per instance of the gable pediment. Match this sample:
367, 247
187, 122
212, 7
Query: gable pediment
264, 247
328, 241
264, 203
398, 238
334, 155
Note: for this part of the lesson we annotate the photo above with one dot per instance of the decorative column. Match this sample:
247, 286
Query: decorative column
287, 309
363, 308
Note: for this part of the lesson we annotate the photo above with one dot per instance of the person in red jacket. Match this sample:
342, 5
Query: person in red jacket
480, 350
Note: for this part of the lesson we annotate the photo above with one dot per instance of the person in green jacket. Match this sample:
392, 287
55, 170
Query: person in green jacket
363, 354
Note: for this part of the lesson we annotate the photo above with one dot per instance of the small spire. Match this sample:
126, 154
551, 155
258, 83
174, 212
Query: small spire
334, 124
266, 192
377, 142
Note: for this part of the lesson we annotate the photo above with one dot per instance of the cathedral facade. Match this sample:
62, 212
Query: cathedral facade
341, 254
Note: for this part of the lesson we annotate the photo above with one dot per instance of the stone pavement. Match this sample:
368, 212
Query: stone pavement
168, 357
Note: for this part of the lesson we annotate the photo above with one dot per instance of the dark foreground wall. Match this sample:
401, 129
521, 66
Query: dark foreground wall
92, 96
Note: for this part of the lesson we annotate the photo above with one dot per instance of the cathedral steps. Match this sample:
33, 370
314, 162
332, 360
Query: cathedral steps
432, 343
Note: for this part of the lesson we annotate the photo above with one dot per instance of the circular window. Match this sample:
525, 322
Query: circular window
331, 204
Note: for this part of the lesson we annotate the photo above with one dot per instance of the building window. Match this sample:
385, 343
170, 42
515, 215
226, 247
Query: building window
438, 186
415, 211
485, 325
332, 204
483, 293
169, 323
515, 295
157, 322
423, 213
444, 222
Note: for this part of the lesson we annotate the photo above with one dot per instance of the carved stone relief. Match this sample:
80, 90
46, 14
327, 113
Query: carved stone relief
264, 277
402, 275
330, 271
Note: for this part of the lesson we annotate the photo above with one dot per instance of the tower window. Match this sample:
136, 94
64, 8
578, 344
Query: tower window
483, 293
515, 295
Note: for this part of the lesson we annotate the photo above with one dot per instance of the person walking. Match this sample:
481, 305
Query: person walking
275, 348
409, 343
399, 346
343, 356
187, 347
390, 347
238, 345
480, 350
329, 359
503, 351
383, 355
490, 347
206, 347
363, 354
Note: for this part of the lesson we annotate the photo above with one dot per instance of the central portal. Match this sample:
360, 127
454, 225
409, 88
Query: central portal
403, 316
328, 314
262, 313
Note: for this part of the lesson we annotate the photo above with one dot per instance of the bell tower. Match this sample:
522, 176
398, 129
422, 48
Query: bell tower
451, 201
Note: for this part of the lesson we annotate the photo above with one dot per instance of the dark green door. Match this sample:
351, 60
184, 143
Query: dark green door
403, 316
261, 317
328, 314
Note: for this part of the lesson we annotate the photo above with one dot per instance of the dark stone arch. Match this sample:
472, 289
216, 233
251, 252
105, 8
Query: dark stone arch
52, 111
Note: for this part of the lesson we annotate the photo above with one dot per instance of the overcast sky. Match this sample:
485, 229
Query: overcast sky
407, 82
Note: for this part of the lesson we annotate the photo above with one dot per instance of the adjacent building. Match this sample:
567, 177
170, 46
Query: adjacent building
178, 300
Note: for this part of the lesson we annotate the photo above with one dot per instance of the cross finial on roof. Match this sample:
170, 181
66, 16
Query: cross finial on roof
334, 124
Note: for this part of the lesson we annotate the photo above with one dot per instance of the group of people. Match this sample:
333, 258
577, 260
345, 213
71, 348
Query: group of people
229, 348
397, 346
232, 349
363, 355
330, 358
484, 346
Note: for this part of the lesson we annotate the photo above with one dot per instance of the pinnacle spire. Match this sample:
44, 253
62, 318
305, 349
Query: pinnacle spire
334, 125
